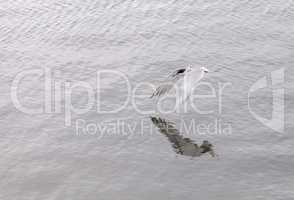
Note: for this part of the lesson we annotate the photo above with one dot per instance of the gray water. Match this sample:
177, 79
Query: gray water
42, 158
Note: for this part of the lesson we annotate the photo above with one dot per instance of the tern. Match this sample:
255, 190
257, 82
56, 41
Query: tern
183, 81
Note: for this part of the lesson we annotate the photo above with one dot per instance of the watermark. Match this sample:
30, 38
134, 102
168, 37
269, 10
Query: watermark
58, 95
141, 127
180, 97
277, 120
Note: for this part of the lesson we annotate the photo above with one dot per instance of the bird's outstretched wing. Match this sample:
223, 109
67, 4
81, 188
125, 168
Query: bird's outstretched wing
178, 73
162, 89
169, 83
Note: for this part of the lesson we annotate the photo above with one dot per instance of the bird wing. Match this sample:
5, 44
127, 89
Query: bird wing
162, 89
178, 73
169, 83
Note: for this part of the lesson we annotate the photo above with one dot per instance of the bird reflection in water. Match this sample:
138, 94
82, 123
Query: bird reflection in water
181, 145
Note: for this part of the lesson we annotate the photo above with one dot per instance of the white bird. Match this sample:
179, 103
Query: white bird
183, 81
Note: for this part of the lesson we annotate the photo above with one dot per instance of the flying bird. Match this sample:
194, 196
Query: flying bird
183, 81
181, 145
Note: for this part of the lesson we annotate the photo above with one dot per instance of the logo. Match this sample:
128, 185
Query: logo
277, 121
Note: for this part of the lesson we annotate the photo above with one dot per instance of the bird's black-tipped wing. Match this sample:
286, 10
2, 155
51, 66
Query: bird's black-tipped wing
178, 72
168, 85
